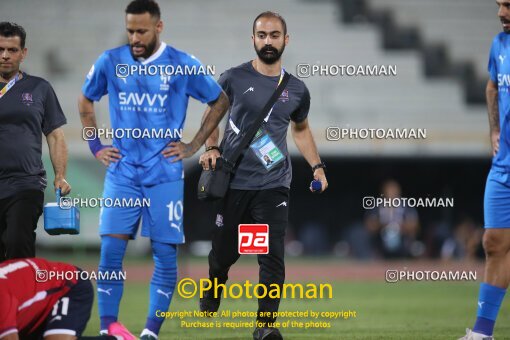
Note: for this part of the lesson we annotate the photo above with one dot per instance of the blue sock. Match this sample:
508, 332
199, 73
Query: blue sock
489, 301
162, 283
109, 292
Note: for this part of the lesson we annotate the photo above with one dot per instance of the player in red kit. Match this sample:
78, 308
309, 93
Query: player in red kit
47, 300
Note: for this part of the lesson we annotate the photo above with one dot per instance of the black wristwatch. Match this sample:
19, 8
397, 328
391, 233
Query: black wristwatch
321, 165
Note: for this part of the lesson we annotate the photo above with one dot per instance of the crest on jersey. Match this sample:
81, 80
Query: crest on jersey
219, 220
165, 83
26, 98
502, 58
284, 96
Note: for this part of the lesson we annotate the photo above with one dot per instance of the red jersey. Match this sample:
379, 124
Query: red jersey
28, 290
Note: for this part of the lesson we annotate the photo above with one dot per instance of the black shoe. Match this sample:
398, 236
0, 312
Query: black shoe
267, 333
209, 303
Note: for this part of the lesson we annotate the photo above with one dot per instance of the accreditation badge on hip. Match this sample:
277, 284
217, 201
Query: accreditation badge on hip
266, 150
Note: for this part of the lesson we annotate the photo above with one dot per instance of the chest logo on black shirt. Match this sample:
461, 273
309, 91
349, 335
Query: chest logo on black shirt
26, 98
250, 89
284, 97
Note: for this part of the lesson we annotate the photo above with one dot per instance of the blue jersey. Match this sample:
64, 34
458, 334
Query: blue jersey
148, 101
499, 70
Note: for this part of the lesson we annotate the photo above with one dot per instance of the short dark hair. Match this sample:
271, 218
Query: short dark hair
271, 14
10, 29
144, 6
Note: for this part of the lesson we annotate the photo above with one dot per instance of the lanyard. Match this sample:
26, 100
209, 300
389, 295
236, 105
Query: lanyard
9, 85
231, 122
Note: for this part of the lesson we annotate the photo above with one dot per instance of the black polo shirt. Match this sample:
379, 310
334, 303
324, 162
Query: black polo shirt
29, 109
248, 92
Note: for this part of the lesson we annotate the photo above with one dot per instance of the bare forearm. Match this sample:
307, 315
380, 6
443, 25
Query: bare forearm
87, 113
213, 138
209, 128
492, 106
58, 152
306, 144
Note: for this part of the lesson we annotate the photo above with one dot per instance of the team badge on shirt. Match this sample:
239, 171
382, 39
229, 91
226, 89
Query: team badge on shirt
284, 96
26, 98
219, 220
165, 83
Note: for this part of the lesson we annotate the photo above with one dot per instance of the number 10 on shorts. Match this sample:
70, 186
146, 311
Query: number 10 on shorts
253, 238
175, 214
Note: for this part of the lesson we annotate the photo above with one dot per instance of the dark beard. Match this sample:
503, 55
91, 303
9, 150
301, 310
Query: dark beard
149, 49
9, 75
269, 58
506, 30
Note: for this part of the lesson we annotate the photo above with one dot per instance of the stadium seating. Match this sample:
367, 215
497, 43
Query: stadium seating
219, 34
73, 33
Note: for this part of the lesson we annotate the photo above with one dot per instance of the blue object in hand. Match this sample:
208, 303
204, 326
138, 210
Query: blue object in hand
316, 186
61, 217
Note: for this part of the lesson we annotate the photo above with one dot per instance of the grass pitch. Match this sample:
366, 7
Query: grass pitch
407, 310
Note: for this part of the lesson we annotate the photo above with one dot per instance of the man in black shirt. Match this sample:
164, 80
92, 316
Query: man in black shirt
28, 108
259, 190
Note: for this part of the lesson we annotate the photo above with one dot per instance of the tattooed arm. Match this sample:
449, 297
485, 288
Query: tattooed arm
491, 94
212, 118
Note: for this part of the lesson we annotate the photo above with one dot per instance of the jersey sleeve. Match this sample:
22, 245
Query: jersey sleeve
492, 67
301, 113
202, 87
53, 115
96, 82
8, 310
224, 82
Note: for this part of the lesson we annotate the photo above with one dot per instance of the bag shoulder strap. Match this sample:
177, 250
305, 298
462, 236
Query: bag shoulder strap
250, 133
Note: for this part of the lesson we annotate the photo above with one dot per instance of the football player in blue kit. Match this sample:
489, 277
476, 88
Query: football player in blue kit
148, 167
496, 239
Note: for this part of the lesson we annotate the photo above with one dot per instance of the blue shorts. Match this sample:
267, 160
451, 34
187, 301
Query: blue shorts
497, 200
160, 215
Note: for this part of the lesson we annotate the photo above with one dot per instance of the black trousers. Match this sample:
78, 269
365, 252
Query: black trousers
19, 214
251, 206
